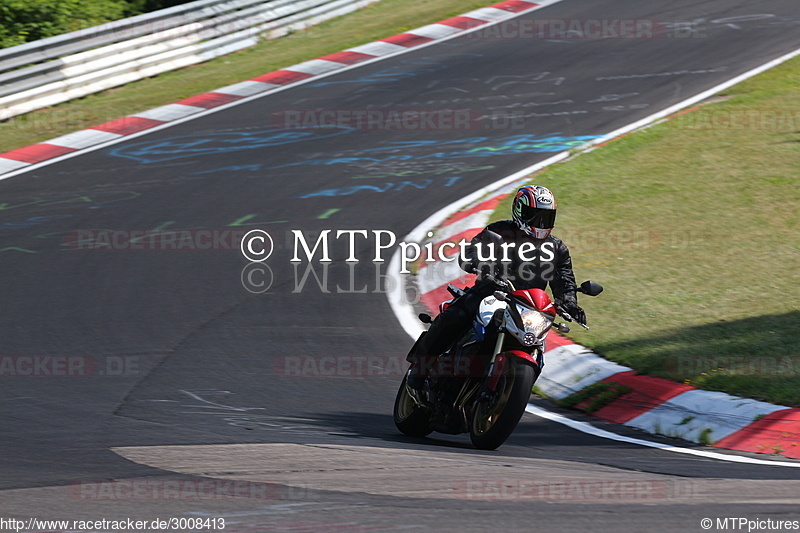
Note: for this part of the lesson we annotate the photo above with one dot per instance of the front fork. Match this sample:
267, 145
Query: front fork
498, 346
497, 363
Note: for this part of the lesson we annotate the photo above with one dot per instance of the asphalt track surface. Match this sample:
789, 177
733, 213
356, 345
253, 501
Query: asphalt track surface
185, 378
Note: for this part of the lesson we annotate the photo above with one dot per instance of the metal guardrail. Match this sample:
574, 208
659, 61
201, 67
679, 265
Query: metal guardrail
57, 69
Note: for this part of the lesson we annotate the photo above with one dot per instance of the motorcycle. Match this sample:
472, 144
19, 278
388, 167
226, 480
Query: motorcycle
481, 384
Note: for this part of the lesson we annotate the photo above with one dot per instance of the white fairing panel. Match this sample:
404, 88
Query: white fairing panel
487, 309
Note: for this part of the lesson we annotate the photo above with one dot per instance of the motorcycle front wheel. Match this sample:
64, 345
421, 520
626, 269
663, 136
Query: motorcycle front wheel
494, 420
408, 416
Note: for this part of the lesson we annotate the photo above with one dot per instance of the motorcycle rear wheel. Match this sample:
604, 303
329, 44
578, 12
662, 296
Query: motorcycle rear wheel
494, 421
409, 418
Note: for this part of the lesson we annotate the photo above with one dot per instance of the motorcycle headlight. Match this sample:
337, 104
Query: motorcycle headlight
535, 324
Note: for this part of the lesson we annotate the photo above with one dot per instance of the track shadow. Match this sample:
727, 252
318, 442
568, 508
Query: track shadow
757, 357
544, 435
380, 426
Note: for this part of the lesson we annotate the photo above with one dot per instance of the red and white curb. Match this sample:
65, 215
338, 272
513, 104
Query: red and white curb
655, 405
19, 160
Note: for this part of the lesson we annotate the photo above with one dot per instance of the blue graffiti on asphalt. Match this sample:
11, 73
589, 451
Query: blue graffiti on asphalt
234, 168
517, 144
513, 144
204, 144
386, 187
30, 222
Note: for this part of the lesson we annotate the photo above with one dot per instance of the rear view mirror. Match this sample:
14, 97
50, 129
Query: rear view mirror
494, 237
590, 288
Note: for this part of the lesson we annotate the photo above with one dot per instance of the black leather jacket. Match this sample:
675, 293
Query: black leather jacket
539, 263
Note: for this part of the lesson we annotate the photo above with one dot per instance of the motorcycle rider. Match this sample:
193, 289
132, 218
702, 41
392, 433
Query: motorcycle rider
530, 257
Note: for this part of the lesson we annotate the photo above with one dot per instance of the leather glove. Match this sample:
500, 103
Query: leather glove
570, 306
480, 269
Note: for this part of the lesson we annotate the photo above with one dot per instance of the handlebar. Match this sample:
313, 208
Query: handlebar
568, 317
507, 286
497, 281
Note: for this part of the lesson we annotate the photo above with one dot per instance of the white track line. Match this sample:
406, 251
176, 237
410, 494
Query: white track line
597, 432
404, 310
174, 122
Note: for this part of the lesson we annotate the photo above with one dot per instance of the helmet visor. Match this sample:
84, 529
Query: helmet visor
536, 217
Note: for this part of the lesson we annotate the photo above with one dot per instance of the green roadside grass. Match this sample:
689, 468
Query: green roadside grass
691, 225
377, 21
693, 228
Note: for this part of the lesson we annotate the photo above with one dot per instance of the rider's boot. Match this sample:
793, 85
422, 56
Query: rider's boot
432, 343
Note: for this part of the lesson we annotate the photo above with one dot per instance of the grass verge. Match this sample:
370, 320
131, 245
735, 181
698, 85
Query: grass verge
380, 20
692, 227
